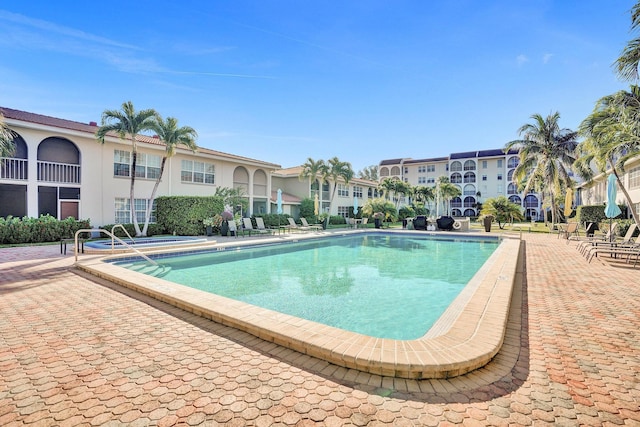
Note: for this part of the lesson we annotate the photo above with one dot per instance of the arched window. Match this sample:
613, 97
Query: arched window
259, 183
469, 212
455, 166
456, 212
469, 190
515, 199
469, 202
395, 171
469, 165
384, 171
58, 161
510, 175
469, 177
241, 179
456, 178
456, 202
512, 188
513, 162
531, 201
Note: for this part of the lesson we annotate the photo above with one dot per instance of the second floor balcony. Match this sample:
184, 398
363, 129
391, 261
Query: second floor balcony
12, 168
65, 173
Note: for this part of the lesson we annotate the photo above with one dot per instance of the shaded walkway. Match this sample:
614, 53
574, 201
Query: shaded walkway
74, 352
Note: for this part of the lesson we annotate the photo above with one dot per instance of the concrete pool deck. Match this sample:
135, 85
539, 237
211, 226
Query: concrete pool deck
467, 336
75, 351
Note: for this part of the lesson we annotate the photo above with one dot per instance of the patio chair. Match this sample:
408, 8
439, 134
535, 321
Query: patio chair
260, 226
571, 230
296, 227
310, 227
588, 241
233, 228
629, 250
248, 227
604, 245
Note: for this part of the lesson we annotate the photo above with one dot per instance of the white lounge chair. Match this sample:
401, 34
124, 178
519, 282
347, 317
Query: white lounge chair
296, 227
248, 227
308, 226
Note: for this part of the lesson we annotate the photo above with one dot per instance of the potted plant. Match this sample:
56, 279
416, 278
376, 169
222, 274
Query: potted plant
377, 218
323, 218
209, 223
486, 221
224, 226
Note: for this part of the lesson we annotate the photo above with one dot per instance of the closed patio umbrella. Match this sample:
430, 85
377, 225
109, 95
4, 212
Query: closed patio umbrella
568, 201
316, 205
355, 206
612, 209
279, 202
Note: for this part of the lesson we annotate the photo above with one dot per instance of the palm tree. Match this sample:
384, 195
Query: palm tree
128, 123
445, 191
502, 210
171, 136
425, 194
627, 64
311, 170
387, 187
7, 146
546, 153
612, 137
369, 172
336, 171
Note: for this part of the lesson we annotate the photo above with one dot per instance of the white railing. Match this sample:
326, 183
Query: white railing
12, 168
58, 172
113, 237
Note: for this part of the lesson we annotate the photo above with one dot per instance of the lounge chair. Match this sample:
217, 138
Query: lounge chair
233, 228
629, 250
588, 241
603, 246
260, 226
296, 227
571, 230
305, 224
248, 227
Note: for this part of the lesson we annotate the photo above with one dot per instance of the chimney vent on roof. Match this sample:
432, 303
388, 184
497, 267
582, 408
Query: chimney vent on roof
93, 124
156, 137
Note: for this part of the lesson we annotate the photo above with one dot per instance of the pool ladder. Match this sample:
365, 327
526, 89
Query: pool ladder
113, 237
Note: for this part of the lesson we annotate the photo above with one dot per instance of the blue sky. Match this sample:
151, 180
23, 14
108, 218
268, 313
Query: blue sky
285, 80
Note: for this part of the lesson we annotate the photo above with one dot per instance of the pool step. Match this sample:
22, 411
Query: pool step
169, 246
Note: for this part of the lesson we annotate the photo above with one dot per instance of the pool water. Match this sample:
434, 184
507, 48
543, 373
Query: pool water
380, 285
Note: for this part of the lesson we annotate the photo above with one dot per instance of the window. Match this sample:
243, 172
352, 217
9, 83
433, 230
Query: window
357, 191
343, 190
484, 177
456, 166
456, 178
513, 162
431, 168
406, 170
121, 162
499, 163
469, 177
469, 165
343, 211
199, 172
147, 165
634, 178
422, 169
123, 213
422, 180
431, 180
499, 177
484, 164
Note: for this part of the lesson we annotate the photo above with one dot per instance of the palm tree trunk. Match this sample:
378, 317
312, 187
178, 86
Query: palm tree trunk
132, 200
147, 217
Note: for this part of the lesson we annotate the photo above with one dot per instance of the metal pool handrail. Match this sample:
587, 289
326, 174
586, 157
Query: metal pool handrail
113, 236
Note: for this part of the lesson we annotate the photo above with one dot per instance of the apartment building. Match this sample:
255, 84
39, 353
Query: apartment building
479, 175
59, 168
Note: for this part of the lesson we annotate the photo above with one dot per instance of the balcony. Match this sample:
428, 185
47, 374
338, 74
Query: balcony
11, 168
64, 173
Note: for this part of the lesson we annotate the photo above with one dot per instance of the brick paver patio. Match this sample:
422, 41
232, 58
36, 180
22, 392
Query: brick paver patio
75, 351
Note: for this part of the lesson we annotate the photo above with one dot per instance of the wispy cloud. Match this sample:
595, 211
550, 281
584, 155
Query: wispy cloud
41, 35
521, 60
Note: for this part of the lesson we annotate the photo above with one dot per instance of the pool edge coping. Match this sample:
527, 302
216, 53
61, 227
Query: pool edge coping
471, 341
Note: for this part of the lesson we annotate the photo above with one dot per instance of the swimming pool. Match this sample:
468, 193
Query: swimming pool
467, 336
380, 285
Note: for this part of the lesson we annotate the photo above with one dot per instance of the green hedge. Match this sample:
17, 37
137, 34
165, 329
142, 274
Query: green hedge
38, 230
153, 230
184, 214
273, 220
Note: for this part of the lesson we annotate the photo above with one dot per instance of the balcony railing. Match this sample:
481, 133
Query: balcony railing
11, 168
58, 172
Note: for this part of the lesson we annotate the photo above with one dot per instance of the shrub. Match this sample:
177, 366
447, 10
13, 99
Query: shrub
38, 230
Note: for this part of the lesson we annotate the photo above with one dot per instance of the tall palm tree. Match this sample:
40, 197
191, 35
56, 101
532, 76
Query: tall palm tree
425, 194
546, 153
336, 171
388, 187
369, 172
7, 146
627, 64
128, 123
171, 136
312, 170
612, 137
445, 191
